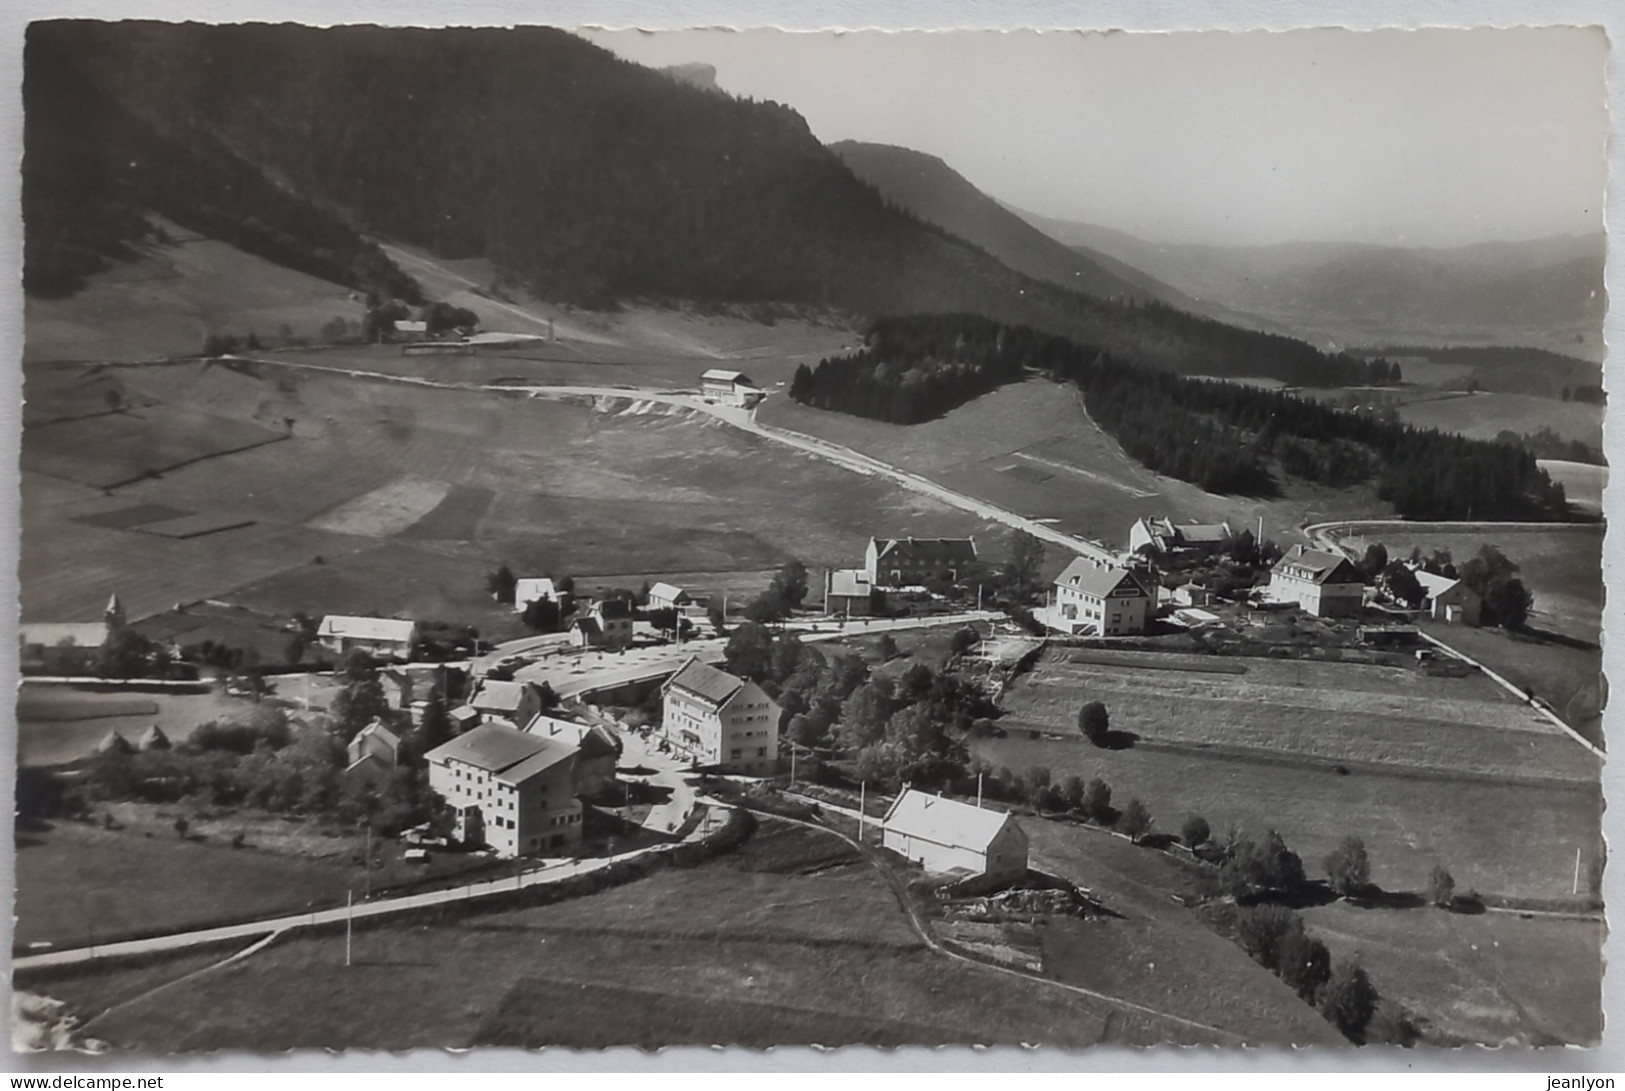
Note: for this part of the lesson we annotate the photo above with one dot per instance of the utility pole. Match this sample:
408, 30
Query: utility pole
978, 791
1576, 871
367, 860
792, 763
863, 787
349, 923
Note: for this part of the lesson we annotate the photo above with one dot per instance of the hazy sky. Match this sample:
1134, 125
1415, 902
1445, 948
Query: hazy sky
1432, 137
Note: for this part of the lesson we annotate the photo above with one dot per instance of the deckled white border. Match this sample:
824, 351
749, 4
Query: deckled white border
814, 15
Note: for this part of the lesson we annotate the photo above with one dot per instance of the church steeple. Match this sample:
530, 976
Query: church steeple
114, 614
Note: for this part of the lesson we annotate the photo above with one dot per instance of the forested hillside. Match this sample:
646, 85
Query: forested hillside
91, 170
592, 179
1225, 437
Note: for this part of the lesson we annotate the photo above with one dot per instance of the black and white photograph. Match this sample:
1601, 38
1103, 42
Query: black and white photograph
559, 536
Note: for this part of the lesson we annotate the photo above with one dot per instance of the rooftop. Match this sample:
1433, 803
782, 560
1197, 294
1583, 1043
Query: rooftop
705, 682
1091, 578
510, 754
368, 628
944, 821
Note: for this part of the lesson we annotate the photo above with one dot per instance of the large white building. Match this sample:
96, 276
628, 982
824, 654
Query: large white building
528, 589
1319, 583
384, 637
509, 790
715, 719
943, 835
1101, 599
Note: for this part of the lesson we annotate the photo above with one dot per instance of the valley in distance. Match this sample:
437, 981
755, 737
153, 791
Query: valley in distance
816, 604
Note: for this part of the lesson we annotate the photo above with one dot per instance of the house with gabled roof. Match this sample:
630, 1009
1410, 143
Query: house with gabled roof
667, 596
729, 388
946, 836
1449, 599
510, 790
1160, 535
718, 720
374, 753
910, 562
384, 637
1319, 583
1101, 599
527, 589
597, 748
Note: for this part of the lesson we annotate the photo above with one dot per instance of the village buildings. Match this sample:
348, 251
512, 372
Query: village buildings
1449, 599
1101, 599
946, 836
1162, 536
1319, 583
715, 719
510, 790
848, 593
529, 589
374, 753
385, 638
607, 625
666, 596
911, 562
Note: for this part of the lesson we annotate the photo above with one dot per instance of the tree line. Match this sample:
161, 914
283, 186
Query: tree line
1225, 437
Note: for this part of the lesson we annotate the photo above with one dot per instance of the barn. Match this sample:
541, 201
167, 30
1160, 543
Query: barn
729, 388
943, 835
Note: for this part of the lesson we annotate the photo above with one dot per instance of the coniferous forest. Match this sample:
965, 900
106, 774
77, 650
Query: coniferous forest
1224, 437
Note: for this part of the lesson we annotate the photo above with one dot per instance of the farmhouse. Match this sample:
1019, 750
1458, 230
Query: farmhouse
1161, 535
1319, 583
380, 636
374, 753
531, 588
665, 596
1449, 599
512, 791
848, 592
943, 835
607, 625
907, 562
715, 719
729, 388
1100, 599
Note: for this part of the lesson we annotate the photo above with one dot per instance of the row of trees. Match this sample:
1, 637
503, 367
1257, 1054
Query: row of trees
1225, 437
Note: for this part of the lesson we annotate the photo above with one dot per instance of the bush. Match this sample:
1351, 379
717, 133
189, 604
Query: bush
1136, 820
1441, 887
1348, 867
1097, 800
1349, 1000
1260, 928
1094, 722
887, 647
1303, 962
1195, 831
1253, 867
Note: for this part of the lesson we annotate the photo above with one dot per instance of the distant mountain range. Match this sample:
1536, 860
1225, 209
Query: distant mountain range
588, 178
937, 194
1546, 293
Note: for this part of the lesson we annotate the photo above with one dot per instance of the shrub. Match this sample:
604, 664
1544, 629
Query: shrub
1303, 962
1136, 820
1441, 886
1349, 1000
1260, 929
1348, 867
1097, 799
1094, 722
1195, 831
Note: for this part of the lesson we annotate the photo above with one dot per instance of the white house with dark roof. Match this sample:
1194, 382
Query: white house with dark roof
510, 790
384, 637
1101, 599
909, 562
1319, 583
374, 753
1448, 599
715, 719
667, 596
729, 388
944, 836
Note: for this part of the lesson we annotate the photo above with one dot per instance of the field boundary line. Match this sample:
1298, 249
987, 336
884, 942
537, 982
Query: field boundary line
1538, 705
924, 932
